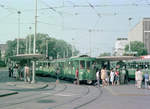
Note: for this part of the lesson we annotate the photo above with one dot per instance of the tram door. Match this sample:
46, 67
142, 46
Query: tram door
90, 70
75, 67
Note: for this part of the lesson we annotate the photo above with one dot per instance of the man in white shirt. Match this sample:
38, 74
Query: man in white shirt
97, 77
139, 78
26, 74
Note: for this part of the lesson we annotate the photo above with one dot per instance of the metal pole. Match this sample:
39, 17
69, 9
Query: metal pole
64, 55
67, 52
18, 31
26, 45
129, 30
72, 47
47, 48
90, 40
30, 40
34, 46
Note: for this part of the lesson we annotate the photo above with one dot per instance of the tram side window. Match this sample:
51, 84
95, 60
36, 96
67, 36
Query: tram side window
82, 64
76, 64
88, 64
70, 64
62, 64
49, 64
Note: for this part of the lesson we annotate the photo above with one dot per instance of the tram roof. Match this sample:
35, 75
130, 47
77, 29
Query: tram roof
117, 58
27, 57
145, 58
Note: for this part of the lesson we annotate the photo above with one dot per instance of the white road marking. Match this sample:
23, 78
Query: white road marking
47, 93
63, 94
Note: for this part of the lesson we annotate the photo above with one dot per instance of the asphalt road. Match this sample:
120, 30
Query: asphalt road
69, 96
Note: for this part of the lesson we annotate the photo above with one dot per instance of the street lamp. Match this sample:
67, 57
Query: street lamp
129, 30
90, 40
18, 12
72, 47
26, 45
46, 47
34, 44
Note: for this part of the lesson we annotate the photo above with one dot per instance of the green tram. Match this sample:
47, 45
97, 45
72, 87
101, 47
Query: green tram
132, 65
87, 67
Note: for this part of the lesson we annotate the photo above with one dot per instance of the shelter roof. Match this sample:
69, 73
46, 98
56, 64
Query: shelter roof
117, 58
27, 57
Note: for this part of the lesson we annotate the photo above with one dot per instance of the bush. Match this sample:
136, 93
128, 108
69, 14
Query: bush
2, 63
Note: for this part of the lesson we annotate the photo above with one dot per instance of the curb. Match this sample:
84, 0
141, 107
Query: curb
41, 86
8, 94
32, 88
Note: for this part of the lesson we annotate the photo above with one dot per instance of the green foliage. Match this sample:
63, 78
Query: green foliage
0, 55
137, 46
56, 48
105, 54
11, 49
2, 63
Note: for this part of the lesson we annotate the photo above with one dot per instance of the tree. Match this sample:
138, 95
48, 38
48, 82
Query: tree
45, 45
0, 55
136, 46
105, 54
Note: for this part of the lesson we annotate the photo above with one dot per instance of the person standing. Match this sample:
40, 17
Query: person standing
26, 74
146, 78
107, 77
112, 76
98, 77
149, 82
9, 69
57, 75
126, 77
77, 76
117, 76
123, 73
103, 76
139, 78
16, 74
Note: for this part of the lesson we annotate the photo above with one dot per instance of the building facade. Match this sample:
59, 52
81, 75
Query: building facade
120, 46
141, 32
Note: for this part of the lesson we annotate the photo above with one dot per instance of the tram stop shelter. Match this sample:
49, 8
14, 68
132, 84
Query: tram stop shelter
28, 58
117, 58
112, 62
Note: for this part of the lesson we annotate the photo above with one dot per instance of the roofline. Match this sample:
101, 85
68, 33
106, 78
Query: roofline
27, 57
117, 58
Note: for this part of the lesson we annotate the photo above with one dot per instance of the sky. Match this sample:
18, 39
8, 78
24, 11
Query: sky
86, 24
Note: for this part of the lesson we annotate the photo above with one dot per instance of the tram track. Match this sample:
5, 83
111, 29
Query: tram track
54, 86
32, 99
37, 90
79, 98
74, 101
71, 101
90, 101
84, 97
